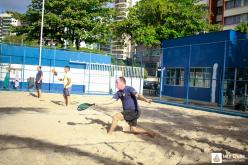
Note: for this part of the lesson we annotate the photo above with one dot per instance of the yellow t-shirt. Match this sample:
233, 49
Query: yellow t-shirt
66, 78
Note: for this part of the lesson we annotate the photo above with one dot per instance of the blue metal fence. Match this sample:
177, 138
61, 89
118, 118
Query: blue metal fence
208, 70
92, 73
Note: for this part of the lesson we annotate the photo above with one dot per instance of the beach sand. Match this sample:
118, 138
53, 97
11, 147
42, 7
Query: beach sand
34, 132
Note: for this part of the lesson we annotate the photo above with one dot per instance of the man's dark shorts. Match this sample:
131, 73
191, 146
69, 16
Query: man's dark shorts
38, 86
67, 91
131, 116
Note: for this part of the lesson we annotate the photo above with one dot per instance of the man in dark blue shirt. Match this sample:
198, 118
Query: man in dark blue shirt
38, 81
131, 111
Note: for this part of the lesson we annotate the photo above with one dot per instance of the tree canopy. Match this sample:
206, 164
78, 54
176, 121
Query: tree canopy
73, 20
151, 21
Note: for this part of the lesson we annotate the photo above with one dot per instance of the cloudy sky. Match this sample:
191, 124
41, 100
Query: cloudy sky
14, 5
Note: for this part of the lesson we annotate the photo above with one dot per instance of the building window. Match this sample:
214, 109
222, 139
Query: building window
219, 10
175, 76
200, 77
233, 4
232, 20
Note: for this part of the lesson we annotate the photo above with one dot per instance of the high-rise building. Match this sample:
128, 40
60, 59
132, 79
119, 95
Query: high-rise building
6, 21
122, 46
228, 13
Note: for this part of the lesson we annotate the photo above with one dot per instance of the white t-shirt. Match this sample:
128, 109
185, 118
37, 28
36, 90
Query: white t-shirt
65, 79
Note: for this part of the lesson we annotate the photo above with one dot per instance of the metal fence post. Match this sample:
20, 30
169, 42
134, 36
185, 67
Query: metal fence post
188, 76
89, 76
132, 69
161, 74
54, 62
23, 66
223, 77
0, 62
116, 64
49, 86
142, 72
110, 89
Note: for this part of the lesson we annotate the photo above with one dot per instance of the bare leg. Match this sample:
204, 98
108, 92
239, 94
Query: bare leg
65, 98
139, 130
117, 117
68, 100
39, 94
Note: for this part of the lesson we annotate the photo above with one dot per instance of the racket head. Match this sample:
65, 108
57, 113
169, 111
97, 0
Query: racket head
54, 72
84, 106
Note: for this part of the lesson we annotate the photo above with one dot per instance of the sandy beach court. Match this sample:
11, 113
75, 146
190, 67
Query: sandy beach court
34, 132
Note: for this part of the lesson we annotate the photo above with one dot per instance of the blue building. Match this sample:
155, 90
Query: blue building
206, 67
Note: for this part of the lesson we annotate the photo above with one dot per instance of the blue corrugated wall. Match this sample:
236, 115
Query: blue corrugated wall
60, 57
23, 55
203, 50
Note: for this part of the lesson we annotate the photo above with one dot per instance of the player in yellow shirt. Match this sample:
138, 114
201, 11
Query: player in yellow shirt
67, 85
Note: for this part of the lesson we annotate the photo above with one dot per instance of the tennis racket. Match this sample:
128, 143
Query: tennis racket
84, 106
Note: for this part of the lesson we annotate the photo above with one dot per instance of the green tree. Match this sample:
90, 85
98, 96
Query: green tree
14, 39
73, 20
242, 27
152, 21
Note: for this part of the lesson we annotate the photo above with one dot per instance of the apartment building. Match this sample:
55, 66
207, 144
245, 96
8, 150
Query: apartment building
6, 21
228, 13
122, 47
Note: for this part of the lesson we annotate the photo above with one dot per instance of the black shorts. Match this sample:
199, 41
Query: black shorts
131, 116
38, 86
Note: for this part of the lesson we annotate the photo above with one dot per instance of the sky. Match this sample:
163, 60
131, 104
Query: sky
14, 5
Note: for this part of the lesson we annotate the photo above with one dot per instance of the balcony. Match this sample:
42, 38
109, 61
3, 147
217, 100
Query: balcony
236, 11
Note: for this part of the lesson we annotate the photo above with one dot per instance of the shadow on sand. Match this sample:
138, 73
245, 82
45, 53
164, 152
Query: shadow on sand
102, 123
174, 143
176, 121
61, 103
14, 110
32, 94
44, 146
